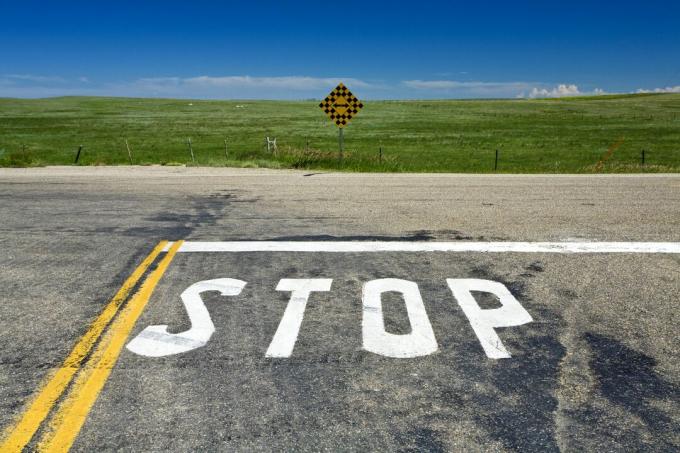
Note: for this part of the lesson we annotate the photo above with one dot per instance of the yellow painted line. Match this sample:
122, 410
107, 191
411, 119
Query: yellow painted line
18, 435
67, 421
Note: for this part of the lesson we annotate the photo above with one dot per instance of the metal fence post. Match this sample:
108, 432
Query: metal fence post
80, 148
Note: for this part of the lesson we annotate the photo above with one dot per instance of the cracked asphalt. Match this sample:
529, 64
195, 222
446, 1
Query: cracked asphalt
598, 369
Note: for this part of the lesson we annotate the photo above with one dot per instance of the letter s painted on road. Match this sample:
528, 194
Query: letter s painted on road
156, 341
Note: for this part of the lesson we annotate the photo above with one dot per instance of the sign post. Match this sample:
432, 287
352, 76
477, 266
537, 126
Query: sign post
341, 106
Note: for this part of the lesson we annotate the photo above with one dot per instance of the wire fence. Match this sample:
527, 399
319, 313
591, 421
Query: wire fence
307, 156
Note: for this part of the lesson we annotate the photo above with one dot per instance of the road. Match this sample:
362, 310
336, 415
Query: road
590, 350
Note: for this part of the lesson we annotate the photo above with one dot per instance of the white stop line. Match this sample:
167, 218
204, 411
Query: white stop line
397, 246
156, 341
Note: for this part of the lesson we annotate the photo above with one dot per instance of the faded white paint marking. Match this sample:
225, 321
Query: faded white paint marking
419, 342
511, 313
404, 246
286, 335
156, 341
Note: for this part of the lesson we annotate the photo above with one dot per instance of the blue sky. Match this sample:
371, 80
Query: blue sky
301, 49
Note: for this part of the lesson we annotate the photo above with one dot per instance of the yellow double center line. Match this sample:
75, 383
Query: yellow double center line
91, 374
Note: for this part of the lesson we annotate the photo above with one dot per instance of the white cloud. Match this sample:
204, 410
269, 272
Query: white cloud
32, 78
238, 87
499, 89
288, 83
467, 89
675, 89
563, 90
208, 87
559, 91
473, 87
32, 86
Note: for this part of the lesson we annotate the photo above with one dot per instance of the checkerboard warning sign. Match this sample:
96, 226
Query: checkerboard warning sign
341, 105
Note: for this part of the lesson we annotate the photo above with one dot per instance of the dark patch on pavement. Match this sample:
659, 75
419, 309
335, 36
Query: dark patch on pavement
517, 288
203, 211
519, 413
486, 301
536, 266
627, 378
170, 232
420, 235
425, 439
567, 293
453, 234
172, 217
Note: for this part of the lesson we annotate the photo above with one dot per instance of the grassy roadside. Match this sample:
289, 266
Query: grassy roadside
547, 136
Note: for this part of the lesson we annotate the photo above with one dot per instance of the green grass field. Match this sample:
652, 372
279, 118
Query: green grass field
551, 136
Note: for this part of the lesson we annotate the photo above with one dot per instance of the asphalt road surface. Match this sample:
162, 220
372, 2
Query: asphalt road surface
300, 339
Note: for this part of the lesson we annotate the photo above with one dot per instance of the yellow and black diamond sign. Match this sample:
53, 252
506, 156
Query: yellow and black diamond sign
341, 105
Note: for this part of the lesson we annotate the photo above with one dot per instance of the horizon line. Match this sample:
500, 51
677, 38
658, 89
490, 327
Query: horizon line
577, 97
